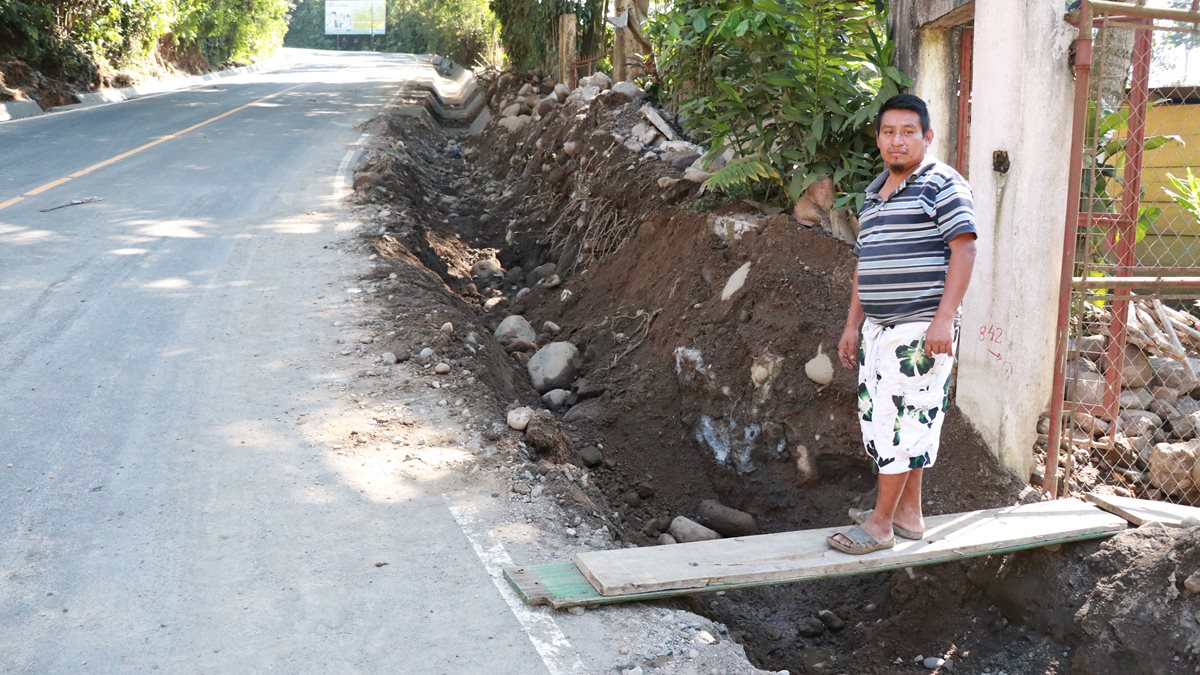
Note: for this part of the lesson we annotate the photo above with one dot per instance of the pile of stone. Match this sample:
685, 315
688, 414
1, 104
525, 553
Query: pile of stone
653, 135
1155, 440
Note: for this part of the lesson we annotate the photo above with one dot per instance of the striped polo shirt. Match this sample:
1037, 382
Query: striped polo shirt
903, 245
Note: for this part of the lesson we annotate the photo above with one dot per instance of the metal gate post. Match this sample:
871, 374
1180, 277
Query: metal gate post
1083, 69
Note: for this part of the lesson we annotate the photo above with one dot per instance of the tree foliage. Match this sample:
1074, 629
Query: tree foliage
792, 84
529, 30
73, 38
465, 30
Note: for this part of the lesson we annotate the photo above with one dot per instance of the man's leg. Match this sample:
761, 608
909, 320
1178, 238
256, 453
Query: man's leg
908, 510
879, 525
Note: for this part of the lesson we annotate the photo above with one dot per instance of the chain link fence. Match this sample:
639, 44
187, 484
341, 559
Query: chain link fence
1128, 422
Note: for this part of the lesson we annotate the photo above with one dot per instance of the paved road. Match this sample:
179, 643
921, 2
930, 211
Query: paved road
162, 508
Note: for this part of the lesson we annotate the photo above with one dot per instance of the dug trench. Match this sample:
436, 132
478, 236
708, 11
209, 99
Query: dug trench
695, 323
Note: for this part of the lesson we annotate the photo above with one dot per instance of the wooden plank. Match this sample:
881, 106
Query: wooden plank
1142, 511
798, 556
568, 587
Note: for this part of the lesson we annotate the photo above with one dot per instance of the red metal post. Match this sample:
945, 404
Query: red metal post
1126, 225
1083, 69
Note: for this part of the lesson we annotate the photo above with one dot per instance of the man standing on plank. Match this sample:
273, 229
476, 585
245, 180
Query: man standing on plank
915, 249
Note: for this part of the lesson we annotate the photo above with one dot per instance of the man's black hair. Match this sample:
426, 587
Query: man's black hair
905, 102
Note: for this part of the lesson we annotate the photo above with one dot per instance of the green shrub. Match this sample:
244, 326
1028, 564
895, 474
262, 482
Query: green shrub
792, 86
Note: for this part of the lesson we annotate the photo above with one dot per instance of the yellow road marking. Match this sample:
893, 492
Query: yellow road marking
129, 153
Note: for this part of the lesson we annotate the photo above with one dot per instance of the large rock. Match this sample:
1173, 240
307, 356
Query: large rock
685, 529
544, 106
561, 91
1138, 371
1173, 468
541, 272
602, 80
511, 124
728, 522
584, 94
511, 110
555, 366
518, 418
514, 329
629, 89
1140, 422
1091, 347
1085, 384
680, 159
1171, 373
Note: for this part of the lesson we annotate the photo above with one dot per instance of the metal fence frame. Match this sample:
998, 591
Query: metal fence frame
1126, 282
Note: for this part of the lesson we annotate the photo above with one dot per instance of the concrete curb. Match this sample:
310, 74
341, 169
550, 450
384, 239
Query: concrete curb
454, 100
15, 110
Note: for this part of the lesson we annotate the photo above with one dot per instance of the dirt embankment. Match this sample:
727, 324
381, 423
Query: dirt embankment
693, 387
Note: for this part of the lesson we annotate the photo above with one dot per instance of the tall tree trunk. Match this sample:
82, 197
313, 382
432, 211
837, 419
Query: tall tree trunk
1111, 60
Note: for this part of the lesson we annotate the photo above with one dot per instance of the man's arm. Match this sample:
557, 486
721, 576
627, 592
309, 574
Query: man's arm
939, 339
848, 345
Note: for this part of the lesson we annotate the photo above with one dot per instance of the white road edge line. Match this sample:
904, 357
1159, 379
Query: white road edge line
340, 180
547, 638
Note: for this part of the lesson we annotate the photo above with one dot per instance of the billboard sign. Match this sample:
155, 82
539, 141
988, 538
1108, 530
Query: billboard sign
355, 17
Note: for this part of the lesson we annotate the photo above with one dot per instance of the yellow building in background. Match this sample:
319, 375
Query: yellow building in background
1174, 238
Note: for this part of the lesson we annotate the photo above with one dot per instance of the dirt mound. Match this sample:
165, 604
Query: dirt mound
19, 81
696, 325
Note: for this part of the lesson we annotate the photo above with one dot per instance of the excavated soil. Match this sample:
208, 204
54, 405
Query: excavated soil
689, 397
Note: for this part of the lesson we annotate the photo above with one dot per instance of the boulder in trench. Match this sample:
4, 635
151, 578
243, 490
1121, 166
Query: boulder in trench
554, 366
727, 521
684, 529
515, 328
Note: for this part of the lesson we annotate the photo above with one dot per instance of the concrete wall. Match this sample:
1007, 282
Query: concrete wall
1022, 106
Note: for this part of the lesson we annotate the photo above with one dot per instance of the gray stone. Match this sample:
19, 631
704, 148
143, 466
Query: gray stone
584, 94
570, 148
1092, 425
1130, 399
665, 539
588, 411
1173, 468
541, 272
515, 328
561, 91
833, 621
810, 627
557, 399
545, 105
554, 366
1192, 583
1171, 373
685, 530
514, 276
1140, 422
602, 80
933, 662
442, 368
586, 387
728, 522
511, 124
1085, 384
680, 160
518, 418
511, 111
591, 456
486, 269
696, 175
388, 358
1138, 371
525, 90
521, 488
629, 89
1091, 346
551, 328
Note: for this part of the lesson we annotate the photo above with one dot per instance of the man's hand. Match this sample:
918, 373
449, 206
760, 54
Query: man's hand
848, 347
939, 338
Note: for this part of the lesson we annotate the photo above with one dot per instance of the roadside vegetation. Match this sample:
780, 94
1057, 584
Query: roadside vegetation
94, 42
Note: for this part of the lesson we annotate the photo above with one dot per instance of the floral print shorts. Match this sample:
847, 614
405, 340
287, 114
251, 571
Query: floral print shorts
902, 395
